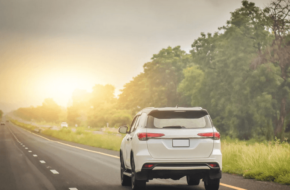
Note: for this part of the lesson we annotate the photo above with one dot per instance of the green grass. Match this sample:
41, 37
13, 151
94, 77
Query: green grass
265, 161
81, 136
261, 161
107, 141
23, 125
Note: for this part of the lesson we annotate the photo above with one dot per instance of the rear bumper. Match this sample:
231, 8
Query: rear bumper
179, 170
142, 156
141, 159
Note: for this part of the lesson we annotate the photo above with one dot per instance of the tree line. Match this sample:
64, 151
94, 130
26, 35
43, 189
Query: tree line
240, 74
49, 111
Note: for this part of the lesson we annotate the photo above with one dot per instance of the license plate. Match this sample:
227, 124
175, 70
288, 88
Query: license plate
180, 143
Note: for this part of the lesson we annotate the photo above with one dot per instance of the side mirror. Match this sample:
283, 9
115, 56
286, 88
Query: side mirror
123, 129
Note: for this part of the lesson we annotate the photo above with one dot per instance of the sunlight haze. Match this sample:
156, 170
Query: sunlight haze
50, 48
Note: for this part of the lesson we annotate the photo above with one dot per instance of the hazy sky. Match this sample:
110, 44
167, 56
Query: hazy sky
50, 47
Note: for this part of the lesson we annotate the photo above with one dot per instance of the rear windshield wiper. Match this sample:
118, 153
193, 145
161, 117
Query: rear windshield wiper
173, 127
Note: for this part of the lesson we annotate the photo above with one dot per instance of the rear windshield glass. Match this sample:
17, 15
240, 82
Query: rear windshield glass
178, 120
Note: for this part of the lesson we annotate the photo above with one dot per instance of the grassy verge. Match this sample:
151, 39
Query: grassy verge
23, 125
268, 161
82, 136
107, 141
261, 161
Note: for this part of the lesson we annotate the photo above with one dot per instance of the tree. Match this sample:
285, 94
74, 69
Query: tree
227, 89
102, 94
277, 16
77, 112
1, 113
50, 110
135, 94
102, 102
157, 86
164, 73
191, 85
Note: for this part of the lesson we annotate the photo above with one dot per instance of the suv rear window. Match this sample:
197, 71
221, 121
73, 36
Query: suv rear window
178, 120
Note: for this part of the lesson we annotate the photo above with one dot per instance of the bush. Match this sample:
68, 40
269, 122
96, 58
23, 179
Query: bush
261, 161
284, 179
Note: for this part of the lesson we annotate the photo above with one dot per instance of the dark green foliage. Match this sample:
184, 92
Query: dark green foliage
157, 85
231, 73
225, 59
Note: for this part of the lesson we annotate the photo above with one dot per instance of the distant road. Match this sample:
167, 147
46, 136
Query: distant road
31, 162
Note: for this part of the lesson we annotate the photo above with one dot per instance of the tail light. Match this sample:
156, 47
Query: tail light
213, 165
146, 136
148, 165
214, 135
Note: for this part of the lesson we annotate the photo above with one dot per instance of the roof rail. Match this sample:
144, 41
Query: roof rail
148, 108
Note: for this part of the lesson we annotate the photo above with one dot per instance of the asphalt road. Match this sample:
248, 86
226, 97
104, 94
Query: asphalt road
32, 162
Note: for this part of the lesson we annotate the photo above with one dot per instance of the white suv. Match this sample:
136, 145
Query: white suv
171, 143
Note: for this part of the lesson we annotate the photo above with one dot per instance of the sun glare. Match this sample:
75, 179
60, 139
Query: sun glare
60, 88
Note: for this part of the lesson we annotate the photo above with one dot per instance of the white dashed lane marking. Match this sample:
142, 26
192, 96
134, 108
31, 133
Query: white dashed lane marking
54, 171
73, 188
30, 151
34, 155
26, 148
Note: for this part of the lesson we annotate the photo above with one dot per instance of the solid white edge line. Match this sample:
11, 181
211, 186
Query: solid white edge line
76, 146
54, 171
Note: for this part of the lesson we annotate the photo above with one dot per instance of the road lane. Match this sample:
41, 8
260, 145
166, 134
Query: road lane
81, 169
17, 171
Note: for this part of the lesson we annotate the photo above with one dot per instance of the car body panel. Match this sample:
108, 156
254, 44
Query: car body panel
163, 147
160, 150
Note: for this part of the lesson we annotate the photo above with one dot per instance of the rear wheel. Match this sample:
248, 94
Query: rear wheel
125, 180
192, 181
211, 184
136, 184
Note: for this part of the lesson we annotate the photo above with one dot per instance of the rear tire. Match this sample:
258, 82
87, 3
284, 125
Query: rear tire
136, 184
211, 184
192, 181
125, 180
